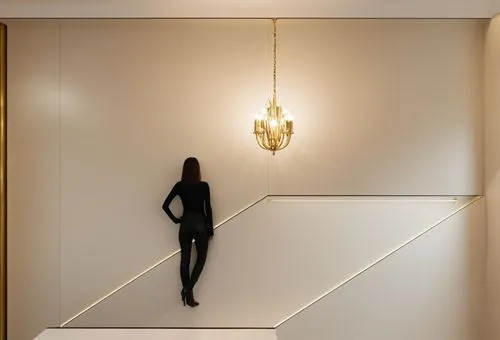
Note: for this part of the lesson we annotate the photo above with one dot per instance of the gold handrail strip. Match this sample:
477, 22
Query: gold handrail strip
367, 199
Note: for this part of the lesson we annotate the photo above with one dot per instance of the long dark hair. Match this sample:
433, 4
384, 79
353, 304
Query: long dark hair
191, 171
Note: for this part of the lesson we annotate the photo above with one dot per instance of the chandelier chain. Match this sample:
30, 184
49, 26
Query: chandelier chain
274, 59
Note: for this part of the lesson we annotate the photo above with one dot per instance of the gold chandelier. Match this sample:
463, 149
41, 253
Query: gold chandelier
273, 128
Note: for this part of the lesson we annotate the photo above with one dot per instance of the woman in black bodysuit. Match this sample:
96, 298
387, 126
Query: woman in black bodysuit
196, 223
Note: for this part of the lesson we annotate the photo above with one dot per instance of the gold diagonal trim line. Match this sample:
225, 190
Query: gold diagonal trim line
465, 205
144, 272
303, 200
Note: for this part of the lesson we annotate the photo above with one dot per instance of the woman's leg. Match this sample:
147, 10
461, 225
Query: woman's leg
185, 241
201, 244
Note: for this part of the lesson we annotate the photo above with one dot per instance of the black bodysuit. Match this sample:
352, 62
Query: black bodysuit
195, 199
196, 223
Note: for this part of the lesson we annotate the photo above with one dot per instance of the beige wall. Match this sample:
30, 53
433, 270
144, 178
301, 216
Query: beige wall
102, 113
381, 107
136, 99
492, 172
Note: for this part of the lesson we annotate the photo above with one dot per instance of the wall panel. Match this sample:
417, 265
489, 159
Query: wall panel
383, 107
137, 97
33, 178
431, 289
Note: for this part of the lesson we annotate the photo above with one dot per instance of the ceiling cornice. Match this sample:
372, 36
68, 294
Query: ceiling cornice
248, 8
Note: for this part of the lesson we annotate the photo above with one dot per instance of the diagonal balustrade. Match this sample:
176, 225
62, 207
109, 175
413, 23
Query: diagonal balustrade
272, 260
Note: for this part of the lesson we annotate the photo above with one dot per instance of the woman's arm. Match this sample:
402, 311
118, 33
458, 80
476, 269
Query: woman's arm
208, 212
166, 205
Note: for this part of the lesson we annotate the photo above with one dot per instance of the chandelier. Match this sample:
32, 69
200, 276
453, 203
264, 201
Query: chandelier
273, 128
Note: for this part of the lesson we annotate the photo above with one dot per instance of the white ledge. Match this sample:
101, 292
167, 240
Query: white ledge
156, 333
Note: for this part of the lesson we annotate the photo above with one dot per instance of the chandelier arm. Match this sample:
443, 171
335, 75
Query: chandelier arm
282, 139
286, 142
260, 144
265, 137
268, 134
261, 141
267, 144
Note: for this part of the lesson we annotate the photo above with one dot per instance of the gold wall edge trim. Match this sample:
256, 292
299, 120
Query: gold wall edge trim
3, 182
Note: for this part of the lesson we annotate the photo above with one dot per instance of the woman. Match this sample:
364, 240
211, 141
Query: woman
196, 223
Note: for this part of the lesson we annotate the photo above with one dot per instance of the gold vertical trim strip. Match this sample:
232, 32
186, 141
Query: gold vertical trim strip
3, 182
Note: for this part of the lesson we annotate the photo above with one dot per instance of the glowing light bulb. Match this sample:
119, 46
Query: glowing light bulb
273, 123
261, 115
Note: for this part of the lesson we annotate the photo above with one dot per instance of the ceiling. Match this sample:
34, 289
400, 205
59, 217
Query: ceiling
248, 8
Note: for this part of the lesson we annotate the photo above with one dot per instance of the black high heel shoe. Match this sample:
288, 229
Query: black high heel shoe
188, 298
183, 297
